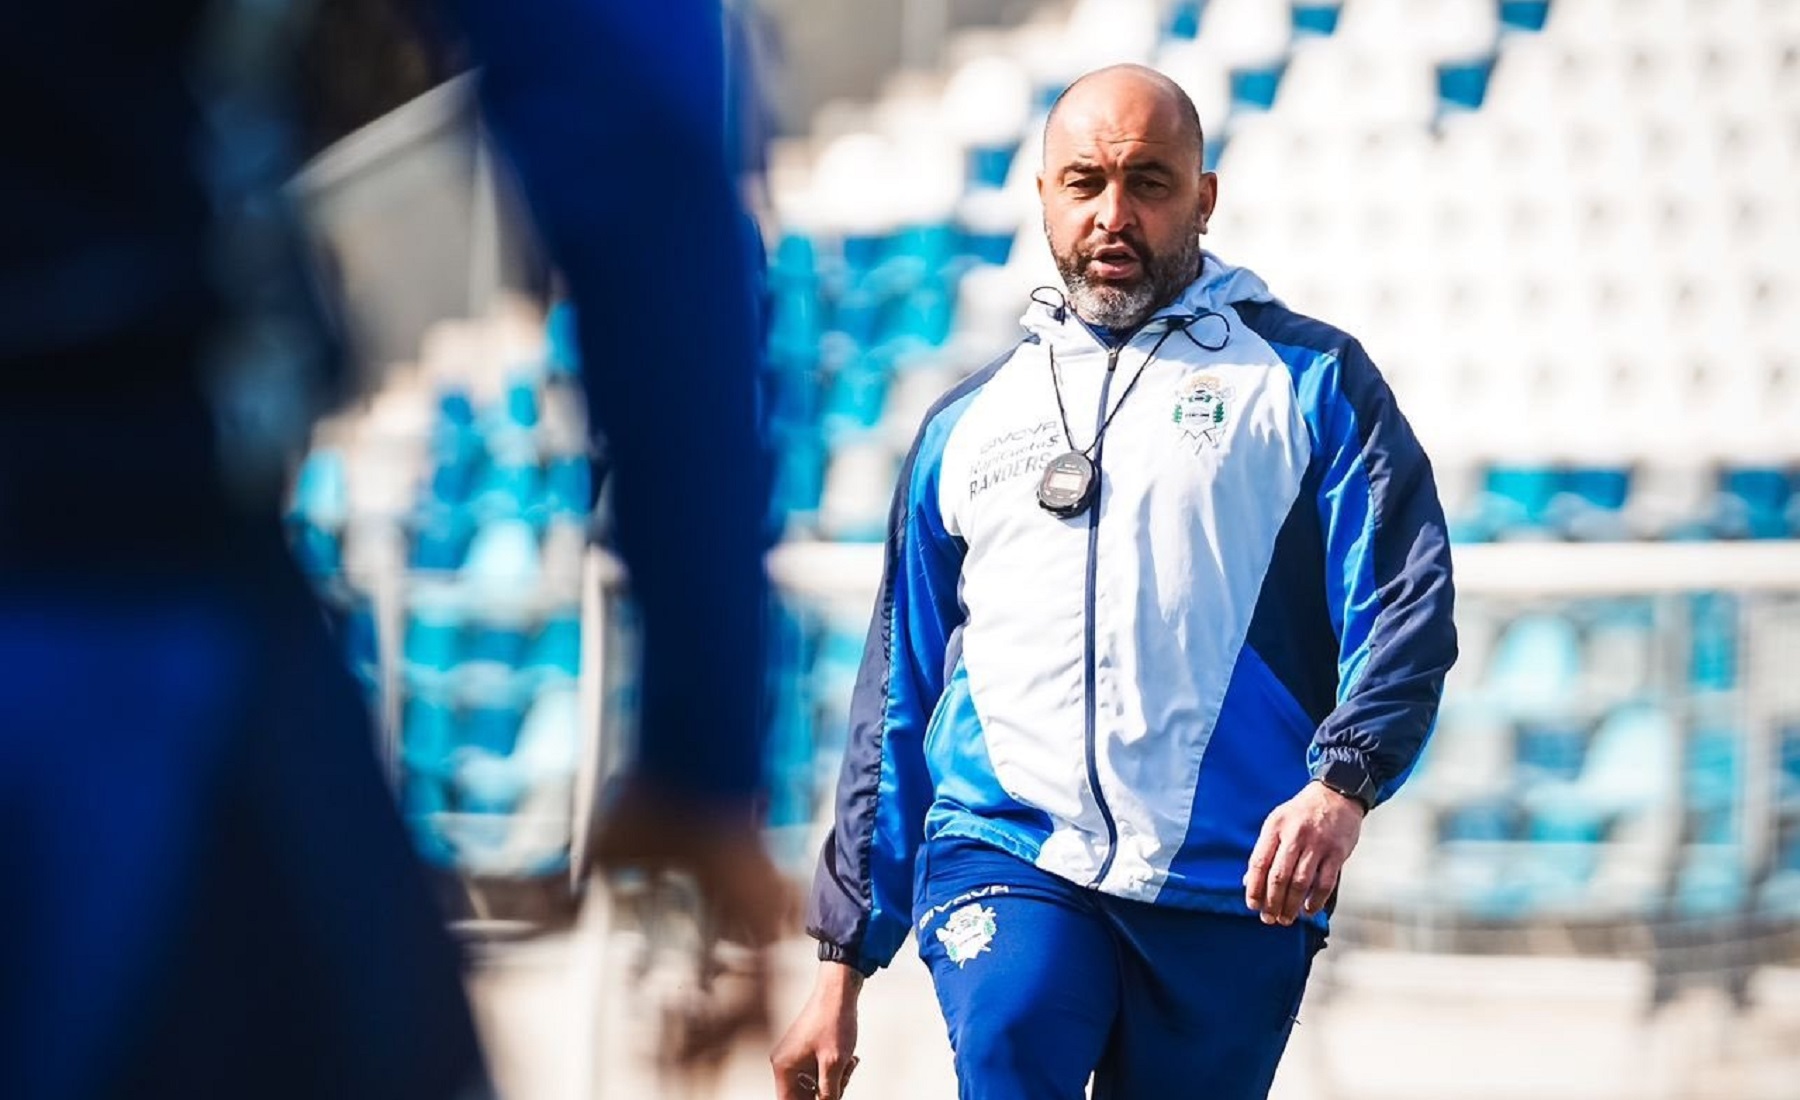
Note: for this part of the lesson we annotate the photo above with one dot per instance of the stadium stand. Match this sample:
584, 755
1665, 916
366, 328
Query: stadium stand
1565, 231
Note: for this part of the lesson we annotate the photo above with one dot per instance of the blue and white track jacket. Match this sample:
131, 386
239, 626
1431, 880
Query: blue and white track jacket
1123, 696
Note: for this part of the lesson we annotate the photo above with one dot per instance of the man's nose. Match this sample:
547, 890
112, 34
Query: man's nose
1114, 214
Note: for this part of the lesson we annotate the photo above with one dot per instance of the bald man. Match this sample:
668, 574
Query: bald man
1166, 611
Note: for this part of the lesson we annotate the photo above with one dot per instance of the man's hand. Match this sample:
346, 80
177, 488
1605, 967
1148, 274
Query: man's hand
1301, 852
746, 899
818, 1053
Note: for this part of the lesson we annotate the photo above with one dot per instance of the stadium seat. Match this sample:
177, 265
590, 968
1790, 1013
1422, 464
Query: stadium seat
1713, 882
1524, 15
555, 652
1105, 32
1182, 22
1628, 770
1462, 85
1536, 669
1713, 656
1754, 503
987, 105
1250, 35
1316, 19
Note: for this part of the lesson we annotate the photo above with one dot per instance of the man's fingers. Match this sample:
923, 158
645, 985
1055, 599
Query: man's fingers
1305, 870
796, 1082
1281, 880
833, 1068
1256, 886
838, 1081
1325, 885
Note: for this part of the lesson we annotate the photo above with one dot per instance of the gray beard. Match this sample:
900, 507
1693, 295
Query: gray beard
1113, 306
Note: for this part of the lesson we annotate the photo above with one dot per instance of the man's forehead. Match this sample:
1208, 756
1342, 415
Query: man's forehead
1113, 120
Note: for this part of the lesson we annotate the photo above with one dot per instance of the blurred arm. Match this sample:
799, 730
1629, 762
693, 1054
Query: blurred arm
612, 113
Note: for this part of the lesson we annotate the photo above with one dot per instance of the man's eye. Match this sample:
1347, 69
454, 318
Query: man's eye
1152, 187
1085, 186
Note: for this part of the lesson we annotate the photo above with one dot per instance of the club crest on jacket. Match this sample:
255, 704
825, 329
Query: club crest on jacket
1202, 410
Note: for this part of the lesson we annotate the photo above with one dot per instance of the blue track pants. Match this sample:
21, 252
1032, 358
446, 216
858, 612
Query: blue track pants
1044, 983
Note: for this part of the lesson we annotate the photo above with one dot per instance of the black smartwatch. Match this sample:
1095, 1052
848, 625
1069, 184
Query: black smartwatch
1350, 780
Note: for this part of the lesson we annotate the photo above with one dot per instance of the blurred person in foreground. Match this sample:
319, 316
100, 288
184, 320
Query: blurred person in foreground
1167, 610
209, 891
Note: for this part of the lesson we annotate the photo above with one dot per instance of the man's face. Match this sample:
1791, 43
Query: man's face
1124, 198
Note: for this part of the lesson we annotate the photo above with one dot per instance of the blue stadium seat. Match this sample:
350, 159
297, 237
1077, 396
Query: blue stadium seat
441, 537
864, 251
1553, 878
493, 707
1713, 776
1626, 772
1550, 751
991, 247
499, 642
429, 734
1591, 503
856, 314
556, 651
511, 486
1524, 15
1486, 820
1254, 88
1754, 502
1713, 882
434, 639
988, 165
522, 402
1789, 781
1462, 85
858, 392
1536, 668
1516, 500
799, 473
1315, 19
1713, 660
1184, 19
569, 485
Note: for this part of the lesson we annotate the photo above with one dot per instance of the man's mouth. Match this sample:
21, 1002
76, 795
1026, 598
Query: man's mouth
1114, 261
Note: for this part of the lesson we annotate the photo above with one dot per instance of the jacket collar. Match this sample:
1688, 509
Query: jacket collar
1053, 321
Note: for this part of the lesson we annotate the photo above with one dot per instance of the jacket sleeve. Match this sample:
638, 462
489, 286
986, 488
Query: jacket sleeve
861, 902
571, 89
1388, 576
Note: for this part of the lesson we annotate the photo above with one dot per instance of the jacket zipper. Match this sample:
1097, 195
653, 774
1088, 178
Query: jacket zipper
1093, 559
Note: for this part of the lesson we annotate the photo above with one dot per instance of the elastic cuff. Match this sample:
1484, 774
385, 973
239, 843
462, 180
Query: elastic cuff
836, 953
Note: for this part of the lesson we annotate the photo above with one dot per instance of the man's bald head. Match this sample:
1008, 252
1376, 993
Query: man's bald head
1130, 83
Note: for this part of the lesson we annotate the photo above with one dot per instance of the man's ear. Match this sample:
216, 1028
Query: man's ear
1209, 197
